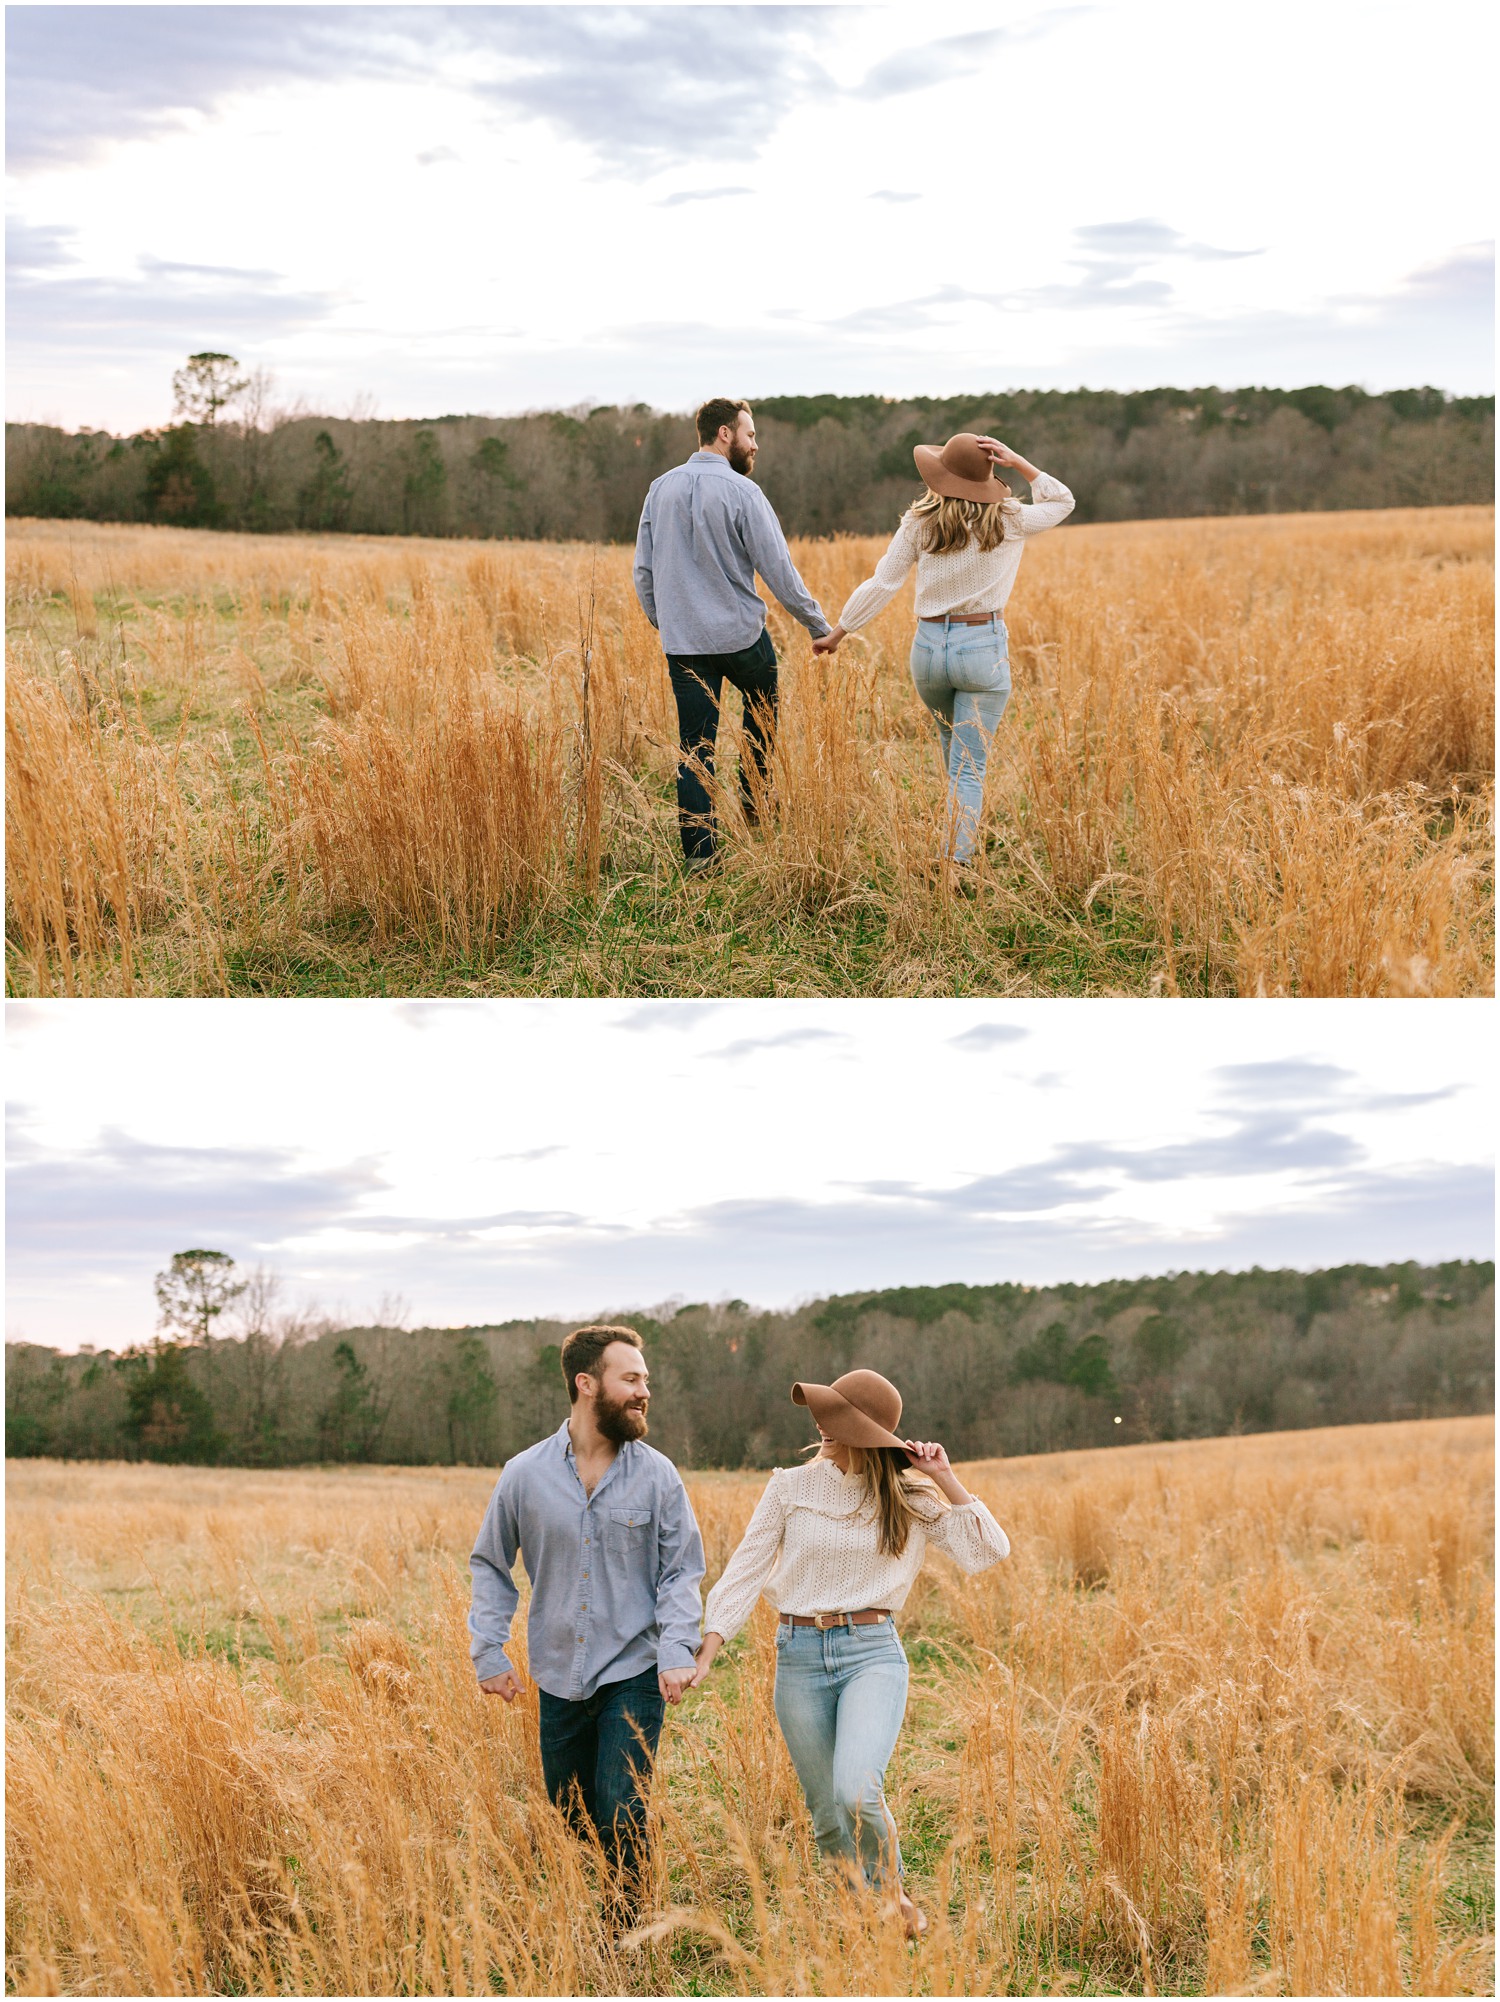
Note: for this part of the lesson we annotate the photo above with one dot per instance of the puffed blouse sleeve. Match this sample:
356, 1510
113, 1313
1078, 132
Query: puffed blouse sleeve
1050, 503
968, 1534
732, 1598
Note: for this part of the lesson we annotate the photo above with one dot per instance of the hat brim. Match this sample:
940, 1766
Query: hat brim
951, 487
842, 1420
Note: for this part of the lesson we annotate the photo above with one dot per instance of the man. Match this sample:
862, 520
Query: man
615, 1559
705, 531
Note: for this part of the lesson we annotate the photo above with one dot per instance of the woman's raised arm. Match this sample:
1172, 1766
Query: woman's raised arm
1050, 502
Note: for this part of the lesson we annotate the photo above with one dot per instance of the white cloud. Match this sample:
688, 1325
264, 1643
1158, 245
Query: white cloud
525, 1157
1124, 194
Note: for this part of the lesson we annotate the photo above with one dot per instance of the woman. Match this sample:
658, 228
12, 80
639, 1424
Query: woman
836, 1545
966, 536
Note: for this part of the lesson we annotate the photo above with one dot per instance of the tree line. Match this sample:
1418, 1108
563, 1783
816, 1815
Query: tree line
830, 464
235, 1379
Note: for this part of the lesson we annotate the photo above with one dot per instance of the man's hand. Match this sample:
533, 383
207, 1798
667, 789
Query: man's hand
829, 641
504, 1685
673, 1681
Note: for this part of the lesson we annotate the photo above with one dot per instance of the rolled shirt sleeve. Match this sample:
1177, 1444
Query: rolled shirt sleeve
645, 583
494, 1599
732, 1598
678, 1603
766, 546
891, 573
970, 1535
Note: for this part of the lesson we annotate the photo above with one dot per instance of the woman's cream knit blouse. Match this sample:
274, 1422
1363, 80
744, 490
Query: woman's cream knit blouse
810, 1549
965, 580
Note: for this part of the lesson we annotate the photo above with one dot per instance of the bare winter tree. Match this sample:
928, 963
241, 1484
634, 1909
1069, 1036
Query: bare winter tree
267, 1332
258, 423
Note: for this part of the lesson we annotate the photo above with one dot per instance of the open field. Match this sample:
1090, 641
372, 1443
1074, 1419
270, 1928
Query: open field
1223, 1723
1244, 755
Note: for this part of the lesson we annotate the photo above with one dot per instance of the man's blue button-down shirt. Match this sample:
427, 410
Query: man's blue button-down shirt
705, 531
614, 1575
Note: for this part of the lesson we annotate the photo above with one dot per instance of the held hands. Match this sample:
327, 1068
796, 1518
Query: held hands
673, 1681
829, 641
711, 1645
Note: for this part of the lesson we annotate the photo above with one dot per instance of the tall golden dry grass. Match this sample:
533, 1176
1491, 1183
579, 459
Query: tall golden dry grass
1223, 1723
1244, 756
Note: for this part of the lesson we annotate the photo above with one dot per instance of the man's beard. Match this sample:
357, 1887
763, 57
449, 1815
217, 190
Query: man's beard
618, 1424
740, 459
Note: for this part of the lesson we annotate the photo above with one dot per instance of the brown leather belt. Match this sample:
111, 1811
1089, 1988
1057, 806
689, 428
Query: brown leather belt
822, 1621
963, 618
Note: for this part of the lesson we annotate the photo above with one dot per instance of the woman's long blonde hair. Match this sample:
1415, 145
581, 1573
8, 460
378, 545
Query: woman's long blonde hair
948, 524
892, 1487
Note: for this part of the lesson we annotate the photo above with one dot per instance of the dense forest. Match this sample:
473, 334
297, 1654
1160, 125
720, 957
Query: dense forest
989, 1370
830, 464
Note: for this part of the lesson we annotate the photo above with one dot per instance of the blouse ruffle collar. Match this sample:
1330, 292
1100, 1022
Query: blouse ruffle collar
822, 1487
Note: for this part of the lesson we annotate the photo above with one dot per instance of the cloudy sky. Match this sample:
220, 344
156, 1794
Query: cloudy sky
488, 1161
414, 210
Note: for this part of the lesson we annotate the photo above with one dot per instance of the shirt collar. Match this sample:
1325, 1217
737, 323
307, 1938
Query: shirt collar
564, 1439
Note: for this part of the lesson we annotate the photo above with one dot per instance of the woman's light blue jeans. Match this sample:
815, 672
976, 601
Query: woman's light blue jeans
963, 675
840, 1699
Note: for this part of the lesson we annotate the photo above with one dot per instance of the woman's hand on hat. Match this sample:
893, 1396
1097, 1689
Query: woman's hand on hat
929, 1455
1002, 455
932, 1459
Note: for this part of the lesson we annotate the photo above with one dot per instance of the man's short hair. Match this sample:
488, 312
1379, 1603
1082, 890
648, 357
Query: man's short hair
717, 411
584, 1350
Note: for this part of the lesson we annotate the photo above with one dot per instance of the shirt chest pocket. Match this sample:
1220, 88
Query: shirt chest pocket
627, 1531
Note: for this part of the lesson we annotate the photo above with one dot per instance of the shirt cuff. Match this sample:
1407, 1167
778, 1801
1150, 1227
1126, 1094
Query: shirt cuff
674, 1654
493, 1661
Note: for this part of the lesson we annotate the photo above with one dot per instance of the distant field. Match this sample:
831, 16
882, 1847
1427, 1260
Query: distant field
1246, 755
1222, 1724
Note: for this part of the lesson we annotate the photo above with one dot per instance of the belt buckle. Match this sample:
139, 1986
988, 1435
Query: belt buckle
823, 1621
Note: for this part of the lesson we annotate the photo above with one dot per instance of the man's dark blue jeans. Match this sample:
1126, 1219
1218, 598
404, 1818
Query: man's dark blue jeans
698, 684
596, 1748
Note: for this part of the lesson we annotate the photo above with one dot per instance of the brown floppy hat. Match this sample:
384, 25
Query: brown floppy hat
963, 470
857, 1409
